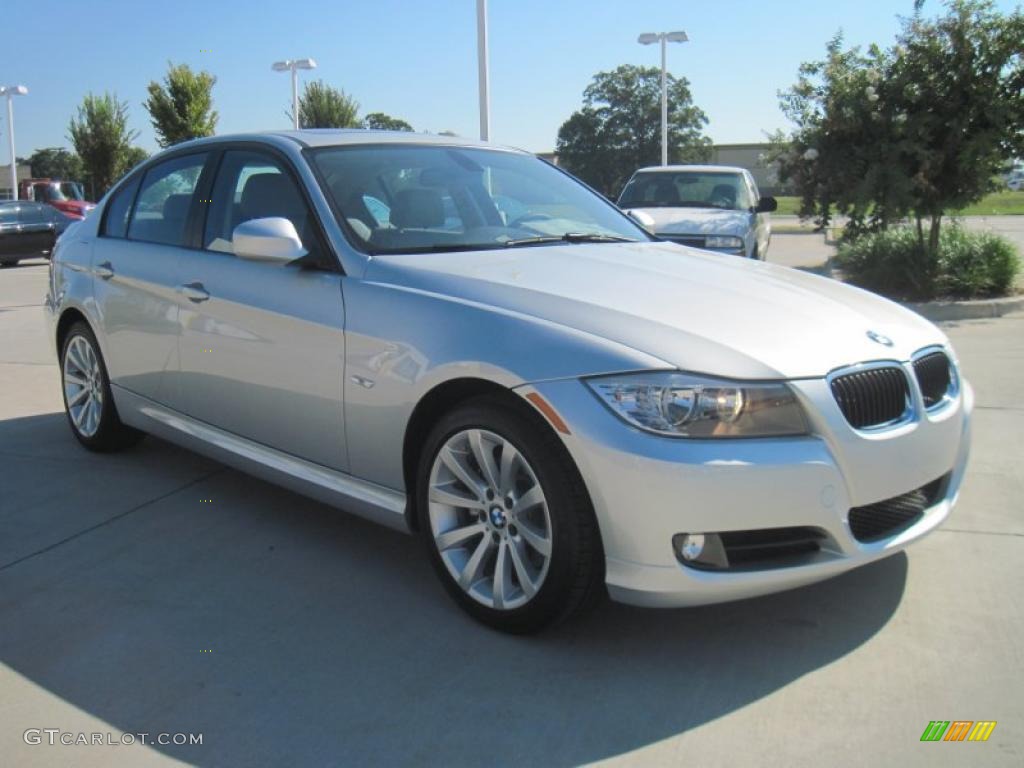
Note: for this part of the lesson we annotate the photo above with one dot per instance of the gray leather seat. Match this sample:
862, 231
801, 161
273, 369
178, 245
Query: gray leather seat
268, 195
418, 209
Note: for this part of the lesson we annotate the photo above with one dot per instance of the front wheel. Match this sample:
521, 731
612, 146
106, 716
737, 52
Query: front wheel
506, 519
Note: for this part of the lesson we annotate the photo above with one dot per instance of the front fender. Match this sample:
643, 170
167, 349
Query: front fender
401, 343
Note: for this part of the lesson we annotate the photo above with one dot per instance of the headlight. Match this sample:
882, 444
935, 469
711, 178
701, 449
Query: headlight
725, 243
685, 405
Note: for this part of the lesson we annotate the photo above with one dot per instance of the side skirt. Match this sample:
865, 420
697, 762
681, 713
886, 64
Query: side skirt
338, 489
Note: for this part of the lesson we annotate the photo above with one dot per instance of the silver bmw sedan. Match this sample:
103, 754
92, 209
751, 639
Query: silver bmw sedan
463, 342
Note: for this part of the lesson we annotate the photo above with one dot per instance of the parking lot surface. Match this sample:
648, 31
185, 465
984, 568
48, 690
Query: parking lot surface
156, 591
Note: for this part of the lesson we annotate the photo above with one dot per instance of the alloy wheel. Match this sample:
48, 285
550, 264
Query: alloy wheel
489, 519
83, 386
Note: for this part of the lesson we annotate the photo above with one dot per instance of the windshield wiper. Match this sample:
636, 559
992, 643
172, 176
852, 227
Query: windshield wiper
437, 248
568, 237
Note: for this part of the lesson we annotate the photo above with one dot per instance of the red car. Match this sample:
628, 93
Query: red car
65, 196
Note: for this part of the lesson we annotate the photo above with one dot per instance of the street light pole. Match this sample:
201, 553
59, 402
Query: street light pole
664, 102
295, 97
648, 38
10, 91
293, 66
484, 76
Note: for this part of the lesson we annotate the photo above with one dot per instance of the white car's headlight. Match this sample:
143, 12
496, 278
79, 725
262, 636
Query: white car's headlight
686, 405
724, 242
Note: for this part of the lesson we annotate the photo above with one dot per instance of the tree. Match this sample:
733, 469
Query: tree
133, 157
101, 137
916, 129
182, 108
378, 121
321, 106
618, 128
56, 163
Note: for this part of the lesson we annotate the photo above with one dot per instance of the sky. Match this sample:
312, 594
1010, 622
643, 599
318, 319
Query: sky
416, 59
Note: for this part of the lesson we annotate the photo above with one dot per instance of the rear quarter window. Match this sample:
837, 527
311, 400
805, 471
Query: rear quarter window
115, 223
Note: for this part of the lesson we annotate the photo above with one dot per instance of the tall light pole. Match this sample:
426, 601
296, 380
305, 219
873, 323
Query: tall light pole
649, 38
293, 66
481, 54
10, 91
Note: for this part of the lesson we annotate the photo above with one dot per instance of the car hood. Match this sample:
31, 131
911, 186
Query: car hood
693, 310
697, 221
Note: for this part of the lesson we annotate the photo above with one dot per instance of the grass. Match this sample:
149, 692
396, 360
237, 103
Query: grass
997, 204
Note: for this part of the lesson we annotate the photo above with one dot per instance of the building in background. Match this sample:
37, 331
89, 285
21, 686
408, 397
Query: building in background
24, 172
753, 158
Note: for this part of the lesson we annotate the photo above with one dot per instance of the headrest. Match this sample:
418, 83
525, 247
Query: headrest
724, 190
176, 207
269, 194
666, 192
418, 209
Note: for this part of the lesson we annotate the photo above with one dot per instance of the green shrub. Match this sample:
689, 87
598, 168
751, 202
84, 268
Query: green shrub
893, 263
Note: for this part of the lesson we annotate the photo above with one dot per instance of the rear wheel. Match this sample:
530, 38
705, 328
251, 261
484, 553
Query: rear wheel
88, 401
506, 519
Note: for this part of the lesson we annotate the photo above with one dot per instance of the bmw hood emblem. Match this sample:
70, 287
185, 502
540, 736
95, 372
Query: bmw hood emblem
879, 338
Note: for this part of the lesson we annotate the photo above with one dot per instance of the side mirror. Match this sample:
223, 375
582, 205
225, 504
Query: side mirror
766, 205
645, 220
272, 239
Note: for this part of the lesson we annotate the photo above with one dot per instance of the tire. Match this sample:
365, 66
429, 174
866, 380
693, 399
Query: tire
755, 255
507, 523
85, 385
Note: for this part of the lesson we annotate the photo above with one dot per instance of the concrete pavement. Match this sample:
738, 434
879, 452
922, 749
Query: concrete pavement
156, 591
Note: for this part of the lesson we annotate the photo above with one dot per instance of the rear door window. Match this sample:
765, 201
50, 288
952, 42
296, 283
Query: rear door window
165, 198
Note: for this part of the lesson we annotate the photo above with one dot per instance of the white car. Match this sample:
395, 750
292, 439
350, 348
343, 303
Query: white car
714, 207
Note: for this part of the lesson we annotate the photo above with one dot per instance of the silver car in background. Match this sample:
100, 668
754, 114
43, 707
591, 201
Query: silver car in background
464, 342
714, 207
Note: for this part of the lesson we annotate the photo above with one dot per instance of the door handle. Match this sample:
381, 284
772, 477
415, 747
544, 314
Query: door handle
194, 292
105, 270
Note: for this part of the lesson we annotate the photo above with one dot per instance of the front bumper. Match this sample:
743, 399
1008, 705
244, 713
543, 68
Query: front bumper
646, 488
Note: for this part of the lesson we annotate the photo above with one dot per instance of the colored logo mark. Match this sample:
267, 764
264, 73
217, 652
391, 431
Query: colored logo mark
958, 730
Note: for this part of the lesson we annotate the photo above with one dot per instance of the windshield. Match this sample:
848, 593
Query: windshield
70, 190
687, 189
59, 191
409, 199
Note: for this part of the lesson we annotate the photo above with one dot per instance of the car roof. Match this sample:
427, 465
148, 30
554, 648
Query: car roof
694, 168
335, 137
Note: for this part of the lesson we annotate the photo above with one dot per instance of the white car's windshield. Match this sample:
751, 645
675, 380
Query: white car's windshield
687, 189
422, 198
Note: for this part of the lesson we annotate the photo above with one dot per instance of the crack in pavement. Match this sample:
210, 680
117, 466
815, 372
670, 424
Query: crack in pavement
982, 533
110, 520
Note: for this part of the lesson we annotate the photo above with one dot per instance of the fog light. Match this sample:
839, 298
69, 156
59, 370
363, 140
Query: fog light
691, 545
700, 550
